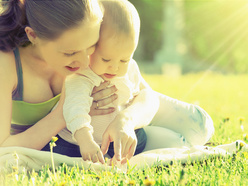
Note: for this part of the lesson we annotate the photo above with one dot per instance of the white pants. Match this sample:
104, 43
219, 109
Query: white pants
178, 124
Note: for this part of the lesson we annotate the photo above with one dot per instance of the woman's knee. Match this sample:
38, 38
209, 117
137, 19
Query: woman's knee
159, 137
202, 130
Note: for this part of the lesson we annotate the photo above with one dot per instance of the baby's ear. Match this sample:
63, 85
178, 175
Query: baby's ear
31, 34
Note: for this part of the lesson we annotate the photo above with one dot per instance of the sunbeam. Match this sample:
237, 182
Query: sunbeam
232, 39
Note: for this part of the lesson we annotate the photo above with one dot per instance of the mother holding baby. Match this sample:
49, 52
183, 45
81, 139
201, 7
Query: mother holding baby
42, 43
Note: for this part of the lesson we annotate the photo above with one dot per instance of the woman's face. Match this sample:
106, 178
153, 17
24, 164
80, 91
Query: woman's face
70, 52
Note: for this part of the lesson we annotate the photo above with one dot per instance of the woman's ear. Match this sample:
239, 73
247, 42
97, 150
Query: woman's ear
31, 34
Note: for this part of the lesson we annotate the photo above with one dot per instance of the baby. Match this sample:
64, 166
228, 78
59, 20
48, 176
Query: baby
112, 61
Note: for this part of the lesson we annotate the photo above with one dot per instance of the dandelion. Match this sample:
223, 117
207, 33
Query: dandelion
245, 154
52, 144
149, 181
16, 157
242, 145
239, 146
245, 137
241, 120
15, 168
106, 159
63, 183
54, 139
131, 182
107, 173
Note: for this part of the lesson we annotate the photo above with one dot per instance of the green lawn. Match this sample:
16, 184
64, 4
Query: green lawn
222, 96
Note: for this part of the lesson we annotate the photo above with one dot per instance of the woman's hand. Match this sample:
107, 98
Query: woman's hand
102, 96
121, 132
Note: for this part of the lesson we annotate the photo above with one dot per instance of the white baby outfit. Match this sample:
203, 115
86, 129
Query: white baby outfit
78, 100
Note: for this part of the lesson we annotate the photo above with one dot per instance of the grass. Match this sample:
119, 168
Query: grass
224, 97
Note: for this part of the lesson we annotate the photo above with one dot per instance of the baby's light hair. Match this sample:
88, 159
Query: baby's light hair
122, 16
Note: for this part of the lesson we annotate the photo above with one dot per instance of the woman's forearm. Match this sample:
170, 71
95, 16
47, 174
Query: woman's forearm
37, 136
142, 109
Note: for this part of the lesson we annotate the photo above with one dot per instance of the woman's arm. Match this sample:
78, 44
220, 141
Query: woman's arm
145, 105
7, 82
38, 135
137, 115
143, 108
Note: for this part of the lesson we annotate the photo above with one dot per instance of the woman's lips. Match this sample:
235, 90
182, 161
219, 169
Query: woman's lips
109, 76
72, 69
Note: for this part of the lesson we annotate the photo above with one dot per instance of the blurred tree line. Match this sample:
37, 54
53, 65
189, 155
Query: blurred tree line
215, 32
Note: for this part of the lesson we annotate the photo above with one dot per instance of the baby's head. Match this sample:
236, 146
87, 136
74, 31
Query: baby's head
119, 35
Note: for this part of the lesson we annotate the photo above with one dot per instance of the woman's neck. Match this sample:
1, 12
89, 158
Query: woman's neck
38, 69
31, 59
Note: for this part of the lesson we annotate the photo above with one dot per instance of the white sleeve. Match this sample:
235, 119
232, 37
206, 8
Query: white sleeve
135, 76
77, 103
145, 102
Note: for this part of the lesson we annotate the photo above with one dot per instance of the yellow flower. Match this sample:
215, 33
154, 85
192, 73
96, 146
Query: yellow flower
131, 182
107, 173
242, 144
63, 183
15, 168
245, 137
54, 139
241, 119
149, 181
15, 155
245, 155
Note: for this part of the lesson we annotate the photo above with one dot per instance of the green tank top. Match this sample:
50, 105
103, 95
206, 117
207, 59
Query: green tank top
24, 114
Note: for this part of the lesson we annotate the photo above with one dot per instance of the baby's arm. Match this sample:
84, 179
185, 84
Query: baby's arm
89, 149
75, 109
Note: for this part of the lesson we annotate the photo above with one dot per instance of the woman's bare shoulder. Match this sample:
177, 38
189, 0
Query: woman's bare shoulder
7, 61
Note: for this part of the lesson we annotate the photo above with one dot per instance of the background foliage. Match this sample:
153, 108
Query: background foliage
215, 33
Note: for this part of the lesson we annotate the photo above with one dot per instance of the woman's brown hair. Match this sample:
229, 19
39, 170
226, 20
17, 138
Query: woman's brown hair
48, 18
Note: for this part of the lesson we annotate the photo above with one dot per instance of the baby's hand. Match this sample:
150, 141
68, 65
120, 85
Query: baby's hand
89, 149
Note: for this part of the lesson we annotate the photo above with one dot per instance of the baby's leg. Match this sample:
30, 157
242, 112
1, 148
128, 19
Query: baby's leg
189, 120
158, 137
